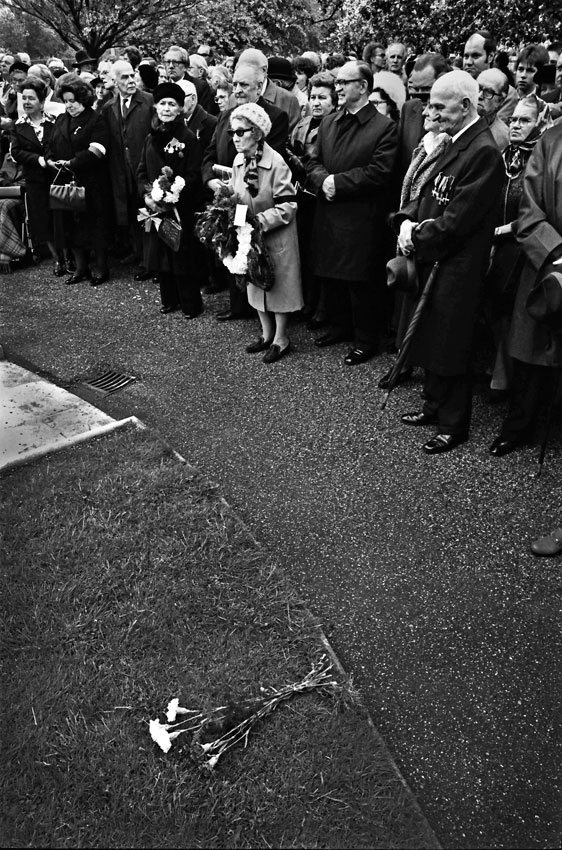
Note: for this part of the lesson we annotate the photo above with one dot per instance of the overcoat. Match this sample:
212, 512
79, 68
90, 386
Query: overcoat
126, 141
359, 150
221, 150
185, 162
203, 125
276, 208
459, 208
27, 149
539, 232
70, 140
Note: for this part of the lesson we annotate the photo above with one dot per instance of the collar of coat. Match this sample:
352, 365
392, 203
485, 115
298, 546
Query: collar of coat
365, 113
266, 160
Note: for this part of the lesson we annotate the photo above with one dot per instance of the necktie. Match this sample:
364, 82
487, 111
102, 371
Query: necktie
124, 107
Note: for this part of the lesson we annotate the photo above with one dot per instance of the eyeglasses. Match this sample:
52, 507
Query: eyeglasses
520, 119
346, 82
488, 94
378, 102
239, 132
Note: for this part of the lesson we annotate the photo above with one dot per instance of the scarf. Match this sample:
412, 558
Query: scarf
421, 168
251, 170
515, 156
163, 132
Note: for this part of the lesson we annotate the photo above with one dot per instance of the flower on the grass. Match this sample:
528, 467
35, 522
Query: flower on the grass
159, 734
212, 762
172, 710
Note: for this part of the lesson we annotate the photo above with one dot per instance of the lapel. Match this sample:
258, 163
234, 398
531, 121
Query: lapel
133, 104
29, 133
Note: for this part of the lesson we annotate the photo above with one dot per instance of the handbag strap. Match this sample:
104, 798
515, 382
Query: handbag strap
61, 168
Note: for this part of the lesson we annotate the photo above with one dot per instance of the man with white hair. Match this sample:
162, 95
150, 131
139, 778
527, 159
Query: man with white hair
493, 86
128, 117
197, 68
272, 93
395, 59
197, 119
451, 222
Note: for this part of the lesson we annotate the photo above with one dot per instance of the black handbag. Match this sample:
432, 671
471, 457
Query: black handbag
69, 197
170, 232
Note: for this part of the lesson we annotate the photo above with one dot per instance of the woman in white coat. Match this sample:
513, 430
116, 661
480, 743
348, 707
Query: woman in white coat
261, 180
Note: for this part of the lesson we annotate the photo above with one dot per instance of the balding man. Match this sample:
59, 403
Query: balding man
452, 222
478, 56
272, 93
493, 87
197, 119
128, 117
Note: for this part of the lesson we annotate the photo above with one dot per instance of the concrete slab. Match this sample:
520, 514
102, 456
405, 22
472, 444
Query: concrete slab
37, 417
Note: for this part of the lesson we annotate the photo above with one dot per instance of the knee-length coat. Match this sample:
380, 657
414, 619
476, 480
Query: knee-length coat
71, 140
275, 206
459, 206
539, 232
26, 149
175, 146
359, 150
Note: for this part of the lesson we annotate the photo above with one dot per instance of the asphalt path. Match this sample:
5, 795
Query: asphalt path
418, 567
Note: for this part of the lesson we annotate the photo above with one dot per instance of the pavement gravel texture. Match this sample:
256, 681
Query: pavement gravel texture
418, 567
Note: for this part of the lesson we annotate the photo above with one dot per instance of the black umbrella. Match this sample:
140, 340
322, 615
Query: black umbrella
407, 341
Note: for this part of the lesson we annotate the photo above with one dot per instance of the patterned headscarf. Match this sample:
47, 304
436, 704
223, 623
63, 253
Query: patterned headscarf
516, 154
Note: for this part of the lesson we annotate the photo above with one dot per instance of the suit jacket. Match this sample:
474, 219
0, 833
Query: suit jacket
126, 141
221, 150
26, 149
459, 205
205, 94
359, 151
410, 131
203, 125
284, 100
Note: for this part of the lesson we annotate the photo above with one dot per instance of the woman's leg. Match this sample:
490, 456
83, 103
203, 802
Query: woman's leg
281, 339
267, 325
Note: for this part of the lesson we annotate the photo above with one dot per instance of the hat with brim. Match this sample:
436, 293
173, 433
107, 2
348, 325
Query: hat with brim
19, 66
401, 274
279, 68
544, 302
82, 58
169, 90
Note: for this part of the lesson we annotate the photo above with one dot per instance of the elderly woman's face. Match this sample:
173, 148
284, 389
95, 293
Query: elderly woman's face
167, 109
377, 99
522, 122
30, 102
221, 98
321, 102
244, 136
72, 106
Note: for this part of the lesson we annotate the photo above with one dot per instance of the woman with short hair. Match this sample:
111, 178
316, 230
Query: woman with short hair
77, 150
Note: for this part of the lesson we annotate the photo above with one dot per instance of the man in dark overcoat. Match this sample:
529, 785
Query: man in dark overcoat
350, 172
128, 118
248, 82
452, 222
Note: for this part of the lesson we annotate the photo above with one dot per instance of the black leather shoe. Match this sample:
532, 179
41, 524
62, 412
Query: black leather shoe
98, 279
501, 446
192, 315
274, 353
60, 270
228, 316
356, 356
260, 344
418, 419
140, 276
168, 309
384, 382
444, 443
330, 339
78, 277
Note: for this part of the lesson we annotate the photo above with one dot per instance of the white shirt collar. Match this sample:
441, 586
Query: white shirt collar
464, 129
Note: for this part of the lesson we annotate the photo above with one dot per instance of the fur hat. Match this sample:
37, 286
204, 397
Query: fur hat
253, 114
19, 66
148, 75
169, 90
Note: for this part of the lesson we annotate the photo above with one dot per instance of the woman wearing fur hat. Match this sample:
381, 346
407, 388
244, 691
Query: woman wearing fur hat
172, 158
261, 180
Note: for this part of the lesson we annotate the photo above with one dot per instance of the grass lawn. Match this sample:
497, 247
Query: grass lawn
126, 581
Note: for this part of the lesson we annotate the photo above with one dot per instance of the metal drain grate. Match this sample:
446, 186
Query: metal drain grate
109, 382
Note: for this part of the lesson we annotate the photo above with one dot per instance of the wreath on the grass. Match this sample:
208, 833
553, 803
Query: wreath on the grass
241, 248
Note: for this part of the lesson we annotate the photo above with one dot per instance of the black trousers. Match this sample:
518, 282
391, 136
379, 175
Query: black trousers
532, 388
353, 309
448, 398
180, 291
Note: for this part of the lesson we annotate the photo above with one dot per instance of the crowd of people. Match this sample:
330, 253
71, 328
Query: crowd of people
439, 174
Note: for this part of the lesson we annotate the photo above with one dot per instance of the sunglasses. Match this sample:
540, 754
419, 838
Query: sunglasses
239, 132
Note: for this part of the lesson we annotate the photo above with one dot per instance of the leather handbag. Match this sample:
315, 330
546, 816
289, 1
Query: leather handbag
11, 191
69, 197
170, 232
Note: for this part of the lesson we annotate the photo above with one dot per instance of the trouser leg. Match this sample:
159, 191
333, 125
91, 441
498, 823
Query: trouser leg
531, 387
364, 307
448, 398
